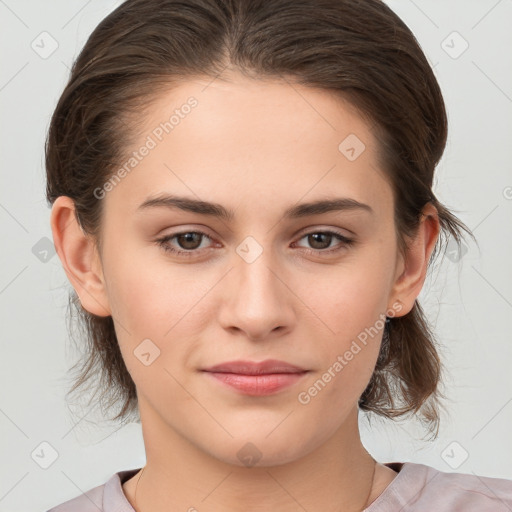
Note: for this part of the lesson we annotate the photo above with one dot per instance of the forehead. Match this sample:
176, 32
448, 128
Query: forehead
244, 140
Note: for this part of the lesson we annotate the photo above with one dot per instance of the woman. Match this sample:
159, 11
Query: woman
242, 200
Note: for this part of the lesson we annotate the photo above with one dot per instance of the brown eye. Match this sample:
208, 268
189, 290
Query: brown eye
189, 240
320, 241
188, 243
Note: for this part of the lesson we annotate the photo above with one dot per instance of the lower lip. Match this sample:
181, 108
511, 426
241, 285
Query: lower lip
258, 385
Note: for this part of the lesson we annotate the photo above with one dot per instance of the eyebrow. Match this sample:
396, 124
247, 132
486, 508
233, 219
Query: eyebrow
217, 210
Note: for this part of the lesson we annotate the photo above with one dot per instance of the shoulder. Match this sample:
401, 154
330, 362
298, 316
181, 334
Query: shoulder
90, 501
422, 487
108, 497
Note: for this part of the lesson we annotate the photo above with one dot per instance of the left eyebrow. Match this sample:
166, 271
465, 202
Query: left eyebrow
217, 210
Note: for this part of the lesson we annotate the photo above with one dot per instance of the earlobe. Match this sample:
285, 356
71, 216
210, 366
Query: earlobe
409, 283
78, 254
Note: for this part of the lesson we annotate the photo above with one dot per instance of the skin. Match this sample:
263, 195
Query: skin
256, 147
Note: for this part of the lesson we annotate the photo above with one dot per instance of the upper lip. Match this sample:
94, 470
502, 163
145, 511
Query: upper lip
255, 368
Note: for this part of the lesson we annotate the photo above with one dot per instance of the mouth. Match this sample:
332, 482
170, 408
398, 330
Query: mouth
257, 378
269, 366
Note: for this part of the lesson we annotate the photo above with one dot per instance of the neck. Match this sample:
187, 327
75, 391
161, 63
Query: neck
338, 475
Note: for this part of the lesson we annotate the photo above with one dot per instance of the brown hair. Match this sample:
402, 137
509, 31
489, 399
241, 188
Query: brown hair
360, 50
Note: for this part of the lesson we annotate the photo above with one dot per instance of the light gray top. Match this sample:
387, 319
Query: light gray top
416, 488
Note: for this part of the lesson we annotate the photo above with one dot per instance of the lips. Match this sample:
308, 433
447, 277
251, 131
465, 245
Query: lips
269, 366
256, 378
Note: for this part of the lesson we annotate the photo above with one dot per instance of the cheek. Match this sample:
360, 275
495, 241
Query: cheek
150, 295
349, 298
161, 303
349, 305
349, 349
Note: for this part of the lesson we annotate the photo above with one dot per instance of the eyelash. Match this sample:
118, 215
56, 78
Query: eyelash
164, 243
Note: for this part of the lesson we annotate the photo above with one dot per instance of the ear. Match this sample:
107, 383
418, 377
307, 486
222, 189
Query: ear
79, 256
412, 270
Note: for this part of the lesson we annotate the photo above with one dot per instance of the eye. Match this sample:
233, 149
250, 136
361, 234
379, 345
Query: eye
188, 240
321, 240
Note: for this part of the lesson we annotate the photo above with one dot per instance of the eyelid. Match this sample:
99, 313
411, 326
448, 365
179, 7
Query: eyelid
325, 229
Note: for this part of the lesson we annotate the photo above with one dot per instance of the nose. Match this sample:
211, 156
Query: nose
259, 303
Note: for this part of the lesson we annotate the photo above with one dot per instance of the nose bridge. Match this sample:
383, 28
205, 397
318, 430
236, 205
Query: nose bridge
257, 278
259, 301
256, 272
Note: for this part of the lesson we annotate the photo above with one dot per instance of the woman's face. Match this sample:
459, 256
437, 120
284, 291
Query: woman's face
260, 283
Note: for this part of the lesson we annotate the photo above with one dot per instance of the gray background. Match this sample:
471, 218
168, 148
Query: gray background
469, 301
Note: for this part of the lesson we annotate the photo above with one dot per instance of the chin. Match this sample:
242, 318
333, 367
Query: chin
262, 451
